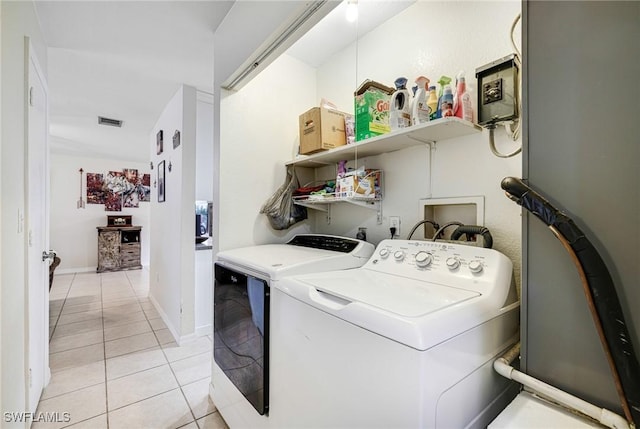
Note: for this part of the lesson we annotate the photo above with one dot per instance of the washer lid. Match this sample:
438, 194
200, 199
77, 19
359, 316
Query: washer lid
401, 296
412, 312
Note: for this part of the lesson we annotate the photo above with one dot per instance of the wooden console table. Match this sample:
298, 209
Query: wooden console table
118, 248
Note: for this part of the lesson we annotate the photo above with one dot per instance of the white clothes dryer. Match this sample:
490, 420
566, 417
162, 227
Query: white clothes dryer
244, 279
406, 341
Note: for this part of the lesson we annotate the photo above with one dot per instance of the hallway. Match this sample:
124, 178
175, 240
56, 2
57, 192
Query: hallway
114, 363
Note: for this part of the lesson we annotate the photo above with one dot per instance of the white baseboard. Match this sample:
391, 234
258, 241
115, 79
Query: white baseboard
165, 318
204, 330
75, 270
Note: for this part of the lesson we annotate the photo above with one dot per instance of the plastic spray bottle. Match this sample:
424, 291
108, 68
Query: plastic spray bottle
462, 106
400, 109
443, 81
419, 107
446, 104
432, 103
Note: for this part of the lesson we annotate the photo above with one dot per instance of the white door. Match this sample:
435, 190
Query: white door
37, 231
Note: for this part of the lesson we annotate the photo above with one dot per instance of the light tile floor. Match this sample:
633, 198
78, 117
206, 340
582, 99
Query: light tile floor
114, 364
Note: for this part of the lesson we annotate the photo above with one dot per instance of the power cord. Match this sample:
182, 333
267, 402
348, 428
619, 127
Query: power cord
492, 144
392, 230
513, 133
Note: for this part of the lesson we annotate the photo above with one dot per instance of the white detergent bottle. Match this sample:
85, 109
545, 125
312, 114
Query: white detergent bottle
400, 109
419, 107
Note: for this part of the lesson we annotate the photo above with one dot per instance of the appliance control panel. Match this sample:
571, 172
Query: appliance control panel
451, 264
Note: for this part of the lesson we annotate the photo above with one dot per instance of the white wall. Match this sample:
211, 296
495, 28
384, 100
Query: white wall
259, 127
172, 259
420, 41
18, 20
204, 147
73, 231
203, 310
258, 133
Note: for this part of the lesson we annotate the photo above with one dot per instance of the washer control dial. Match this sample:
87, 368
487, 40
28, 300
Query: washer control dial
453, 263
398, 255
384, 253
475, 266
423, 259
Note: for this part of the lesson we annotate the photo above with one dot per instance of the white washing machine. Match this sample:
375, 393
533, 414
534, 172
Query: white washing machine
244, 279
406, 341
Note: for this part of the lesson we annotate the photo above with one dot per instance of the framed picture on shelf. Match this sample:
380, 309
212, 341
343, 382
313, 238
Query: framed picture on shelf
159, 143
161, 182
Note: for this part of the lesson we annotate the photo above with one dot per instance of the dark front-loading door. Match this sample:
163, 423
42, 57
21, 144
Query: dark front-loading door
241, 333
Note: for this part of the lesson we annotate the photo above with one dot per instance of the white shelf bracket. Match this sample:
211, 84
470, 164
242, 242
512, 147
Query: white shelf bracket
425, 141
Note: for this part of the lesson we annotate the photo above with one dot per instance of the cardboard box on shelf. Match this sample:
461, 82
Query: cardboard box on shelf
372, 109
321, 129
353, 185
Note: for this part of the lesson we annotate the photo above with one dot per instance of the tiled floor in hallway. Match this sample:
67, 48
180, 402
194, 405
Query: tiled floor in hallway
114, 363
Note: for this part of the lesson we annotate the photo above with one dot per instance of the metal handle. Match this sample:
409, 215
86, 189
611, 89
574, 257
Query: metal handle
51, 254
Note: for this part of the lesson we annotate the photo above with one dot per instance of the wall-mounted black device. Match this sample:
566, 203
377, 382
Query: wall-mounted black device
498, 90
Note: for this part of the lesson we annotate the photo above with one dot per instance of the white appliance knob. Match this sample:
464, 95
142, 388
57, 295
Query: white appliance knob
384, 253
453, 263
475, 266
399, 255
423, 259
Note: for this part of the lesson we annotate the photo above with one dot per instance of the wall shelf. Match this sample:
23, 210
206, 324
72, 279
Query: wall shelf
432, 131
324, 205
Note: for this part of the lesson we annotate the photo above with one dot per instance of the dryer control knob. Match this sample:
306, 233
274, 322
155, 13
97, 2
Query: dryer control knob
475, 266
453, 263
399, 255
384, 253
423, 259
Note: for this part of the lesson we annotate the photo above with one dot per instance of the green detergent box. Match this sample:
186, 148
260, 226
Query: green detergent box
372, 109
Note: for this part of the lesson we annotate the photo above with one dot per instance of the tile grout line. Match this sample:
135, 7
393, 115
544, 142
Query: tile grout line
104, 352
106, 380
85, 387
184, 396
55, 325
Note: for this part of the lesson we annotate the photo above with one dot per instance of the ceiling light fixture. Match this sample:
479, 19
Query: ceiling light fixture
352, 10
259, 60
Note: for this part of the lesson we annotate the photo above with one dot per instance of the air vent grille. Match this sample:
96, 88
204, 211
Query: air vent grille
110, 122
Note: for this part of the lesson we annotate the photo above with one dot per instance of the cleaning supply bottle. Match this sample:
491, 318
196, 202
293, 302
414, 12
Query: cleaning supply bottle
419, 107
432, 103
399, 110
446, 105
443, 81
462, 107
467, 106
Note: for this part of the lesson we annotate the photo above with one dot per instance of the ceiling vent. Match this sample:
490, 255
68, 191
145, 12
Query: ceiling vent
108, 121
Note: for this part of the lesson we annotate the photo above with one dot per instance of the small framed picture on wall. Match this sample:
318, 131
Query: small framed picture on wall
159, 142
176, 139
161, 182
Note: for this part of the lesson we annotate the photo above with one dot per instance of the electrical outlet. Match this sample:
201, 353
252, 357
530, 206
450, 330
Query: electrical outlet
394, 222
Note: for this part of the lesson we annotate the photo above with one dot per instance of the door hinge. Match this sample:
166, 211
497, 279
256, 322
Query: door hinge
31, 96
30, 378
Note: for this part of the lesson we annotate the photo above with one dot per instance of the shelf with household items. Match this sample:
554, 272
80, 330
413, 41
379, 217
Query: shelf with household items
430, 132
324, 204
358, 192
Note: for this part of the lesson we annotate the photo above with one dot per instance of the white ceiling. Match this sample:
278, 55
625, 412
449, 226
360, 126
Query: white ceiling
126, 59
123, 60
334, 33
